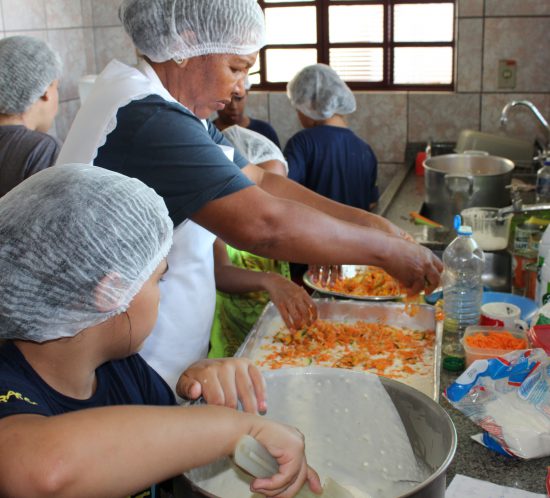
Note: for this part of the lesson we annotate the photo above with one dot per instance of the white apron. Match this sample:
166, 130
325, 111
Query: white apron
188, 292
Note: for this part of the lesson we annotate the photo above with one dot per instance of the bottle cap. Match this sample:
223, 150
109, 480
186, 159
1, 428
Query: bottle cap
460, 228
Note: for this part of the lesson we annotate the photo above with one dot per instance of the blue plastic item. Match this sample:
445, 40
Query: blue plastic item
528, 306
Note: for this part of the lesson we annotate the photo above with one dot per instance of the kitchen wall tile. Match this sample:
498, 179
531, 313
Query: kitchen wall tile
521, 121
470, 8
386, 172
441, 117
469, 55
257, 105
105, 12
63, 14
74, 46
40, 34
517, 38
87, 12
283, 117
65, 117
24, 14
113, 43
517, 8
381, 120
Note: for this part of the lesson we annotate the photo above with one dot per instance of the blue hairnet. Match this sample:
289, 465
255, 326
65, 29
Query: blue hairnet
72, 236
28, 66
318, 92
180, 29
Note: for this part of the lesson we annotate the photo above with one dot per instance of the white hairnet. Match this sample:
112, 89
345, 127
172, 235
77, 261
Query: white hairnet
318, 92
78, 243
28, 66
180, 29
254, 146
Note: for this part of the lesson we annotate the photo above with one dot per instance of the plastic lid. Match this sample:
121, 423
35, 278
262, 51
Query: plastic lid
460, 228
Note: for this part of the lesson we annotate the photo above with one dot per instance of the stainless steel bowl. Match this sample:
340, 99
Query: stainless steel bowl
430, 430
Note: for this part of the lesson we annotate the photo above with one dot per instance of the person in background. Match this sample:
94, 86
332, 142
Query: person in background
327, 157
151, 122
247, 282
234, 114
80, 294
29, 75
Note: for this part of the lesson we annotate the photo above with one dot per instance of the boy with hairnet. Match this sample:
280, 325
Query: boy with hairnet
234, 113
29, 74
246, 282
327, 157
80, 294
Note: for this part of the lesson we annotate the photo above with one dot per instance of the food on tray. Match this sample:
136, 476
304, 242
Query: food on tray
394, 352
368, 281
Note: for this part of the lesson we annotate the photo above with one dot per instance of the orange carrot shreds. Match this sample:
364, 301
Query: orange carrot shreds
375, 347
371, 281
439, 313
496, 339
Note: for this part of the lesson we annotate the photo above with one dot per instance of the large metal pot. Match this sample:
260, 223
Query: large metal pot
429, 428
457, 181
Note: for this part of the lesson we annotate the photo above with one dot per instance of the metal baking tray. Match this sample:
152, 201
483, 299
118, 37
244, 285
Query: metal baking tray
348, 271
390, 313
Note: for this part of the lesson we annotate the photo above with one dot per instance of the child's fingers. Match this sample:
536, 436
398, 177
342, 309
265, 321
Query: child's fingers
258, 388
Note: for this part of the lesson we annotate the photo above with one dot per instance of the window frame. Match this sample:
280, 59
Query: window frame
323, 46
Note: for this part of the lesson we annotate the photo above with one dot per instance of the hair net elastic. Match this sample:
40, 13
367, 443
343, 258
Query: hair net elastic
78, 243
180, 29
318, 92
255, 147
27, 67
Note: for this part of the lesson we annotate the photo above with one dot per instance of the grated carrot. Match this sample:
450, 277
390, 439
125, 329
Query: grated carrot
376, 347
495, 339
371, 281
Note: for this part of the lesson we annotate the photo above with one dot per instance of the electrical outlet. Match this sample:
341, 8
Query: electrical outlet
507, 69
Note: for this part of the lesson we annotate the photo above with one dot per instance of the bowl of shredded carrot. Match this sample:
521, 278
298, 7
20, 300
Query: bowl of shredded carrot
481, 343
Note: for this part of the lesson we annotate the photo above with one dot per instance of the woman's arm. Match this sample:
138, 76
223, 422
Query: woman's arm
117, 451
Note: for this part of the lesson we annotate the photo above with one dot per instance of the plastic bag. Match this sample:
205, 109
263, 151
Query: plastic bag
509, 398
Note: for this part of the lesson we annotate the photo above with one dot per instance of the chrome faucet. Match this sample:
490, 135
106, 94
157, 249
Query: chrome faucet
517, 205
526, 103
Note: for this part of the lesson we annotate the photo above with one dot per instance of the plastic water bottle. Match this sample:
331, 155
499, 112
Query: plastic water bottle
543, 183
463, 263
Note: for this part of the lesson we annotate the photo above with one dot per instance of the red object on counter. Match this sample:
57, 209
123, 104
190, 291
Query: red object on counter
419, 163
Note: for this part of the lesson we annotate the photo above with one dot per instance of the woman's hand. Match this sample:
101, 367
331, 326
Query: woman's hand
286, 444
293, 302
225, 382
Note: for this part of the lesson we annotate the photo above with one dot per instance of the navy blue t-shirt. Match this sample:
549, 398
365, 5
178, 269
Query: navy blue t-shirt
122, 382
129, 381
169, 149
335, 163
265, 129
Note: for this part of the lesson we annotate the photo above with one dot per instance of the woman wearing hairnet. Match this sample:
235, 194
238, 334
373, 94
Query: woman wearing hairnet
80, 293
327, 157
150, 122
29, 74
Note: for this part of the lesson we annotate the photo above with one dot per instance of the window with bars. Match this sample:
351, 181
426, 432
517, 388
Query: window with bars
373, 44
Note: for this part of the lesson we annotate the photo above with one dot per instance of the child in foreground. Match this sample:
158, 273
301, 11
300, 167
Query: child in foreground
82, 253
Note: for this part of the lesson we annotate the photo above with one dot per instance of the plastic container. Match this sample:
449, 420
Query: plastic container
473, 353
543, 183
463, 262
489, 231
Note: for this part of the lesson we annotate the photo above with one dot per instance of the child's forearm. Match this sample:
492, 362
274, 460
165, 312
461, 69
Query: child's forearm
113, 451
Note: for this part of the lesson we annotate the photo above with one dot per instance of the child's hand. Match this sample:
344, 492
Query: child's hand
224, 382
325, 274
287, 445
293, 302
